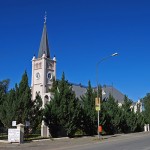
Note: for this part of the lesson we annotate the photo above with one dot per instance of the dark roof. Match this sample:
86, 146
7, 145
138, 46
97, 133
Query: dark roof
81, 90
114, 92
44, 47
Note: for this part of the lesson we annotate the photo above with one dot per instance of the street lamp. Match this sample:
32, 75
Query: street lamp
103, 59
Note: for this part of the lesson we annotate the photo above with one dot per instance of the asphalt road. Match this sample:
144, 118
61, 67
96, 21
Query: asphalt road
138, 141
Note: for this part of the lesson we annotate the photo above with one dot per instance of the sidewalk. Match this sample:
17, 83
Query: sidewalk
75, 143
66, 138
104, 137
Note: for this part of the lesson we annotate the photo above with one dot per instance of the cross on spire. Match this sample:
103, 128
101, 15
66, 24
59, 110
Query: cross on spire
45, 17
44, 47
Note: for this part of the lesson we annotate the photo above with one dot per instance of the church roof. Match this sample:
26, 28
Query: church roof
114, 92
80, 90
44, 47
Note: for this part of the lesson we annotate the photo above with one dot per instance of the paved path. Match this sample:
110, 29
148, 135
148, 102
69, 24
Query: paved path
138, 141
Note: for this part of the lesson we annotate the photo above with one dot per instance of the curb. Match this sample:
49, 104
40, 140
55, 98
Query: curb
4, 141
53, 139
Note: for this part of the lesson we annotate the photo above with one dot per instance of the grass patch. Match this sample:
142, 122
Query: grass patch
3, 137
31, 137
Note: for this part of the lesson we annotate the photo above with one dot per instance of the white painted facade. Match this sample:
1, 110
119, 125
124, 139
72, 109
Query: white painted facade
137, 107
43, 73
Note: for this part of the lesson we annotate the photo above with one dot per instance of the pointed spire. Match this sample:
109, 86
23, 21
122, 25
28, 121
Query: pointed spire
45, 17
44, 48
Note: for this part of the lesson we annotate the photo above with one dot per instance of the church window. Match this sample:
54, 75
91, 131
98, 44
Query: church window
36, 65
51, 65
49, 76
46, 99
40, 65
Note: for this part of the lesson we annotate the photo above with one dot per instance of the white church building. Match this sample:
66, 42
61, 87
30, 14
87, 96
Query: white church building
43, 72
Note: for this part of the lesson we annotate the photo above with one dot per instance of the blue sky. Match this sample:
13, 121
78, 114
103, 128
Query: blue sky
80, 32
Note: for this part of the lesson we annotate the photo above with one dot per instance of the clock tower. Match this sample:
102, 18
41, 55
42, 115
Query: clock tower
43, 72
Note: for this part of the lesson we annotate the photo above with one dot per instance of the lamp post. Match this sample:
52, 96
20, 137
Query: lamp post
103, 59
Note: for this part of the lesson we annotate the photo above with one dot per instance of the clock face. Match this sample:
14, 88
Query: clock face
49, 76
37, 75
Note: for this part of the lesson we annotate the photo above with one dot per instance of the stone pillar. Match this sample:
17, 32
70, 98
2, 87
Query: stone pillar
44, 130
21, 128
147, 127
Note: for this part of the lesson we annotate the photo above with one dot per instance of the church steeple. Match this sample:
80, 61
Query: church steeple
44, 47
43, 73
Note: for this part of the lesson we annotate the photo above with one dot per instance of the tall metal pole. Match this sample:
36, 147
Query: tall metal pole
98, 119
98, 100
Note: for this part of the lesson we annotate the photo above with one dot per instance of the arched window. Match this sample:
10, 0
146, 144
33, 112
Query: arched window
46, 99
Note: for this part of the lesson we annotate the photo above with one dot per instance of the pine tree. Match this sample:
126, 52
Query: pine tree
62, 112
26, 108
146, 101
3, 90
36, 113
17, 104
24, 103
140, 121
89, 112
8, 109
127, 104
111, 115
129, 118
3, 97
